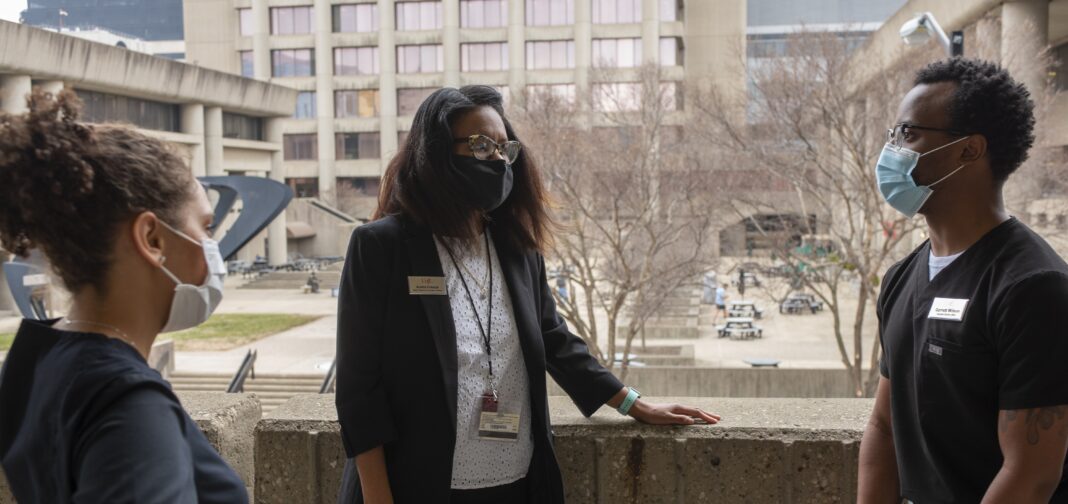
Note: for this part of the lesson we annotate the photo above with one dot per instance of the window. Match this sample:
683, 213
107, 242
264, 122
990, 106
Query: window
617, 53
147, 114
355, 61
242, 126
357, 18
486, 57
670, 51
357, 145
670, 10
402, 136
356, 103
483, 13
246, 25
1060, 77
248, 66
550, 54
306, 106
307, 187
418, 16
617, 96
419, 58
409, 100
300, 147
359, 186
291, 20
670, 96
292, 63
561, 92
550, 12
617, 11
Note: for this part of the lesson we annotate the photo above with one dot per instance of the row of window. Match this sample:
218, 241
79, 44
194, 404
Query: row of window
474, 57
305, 146
424, 15
308, 187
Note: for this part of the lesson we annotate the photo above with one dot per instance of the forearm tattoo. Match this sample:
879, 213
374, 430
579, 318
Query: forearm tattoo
1038, 420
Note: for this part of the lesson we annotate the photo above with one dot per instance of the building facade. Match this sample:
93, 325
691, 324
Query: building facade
362, 67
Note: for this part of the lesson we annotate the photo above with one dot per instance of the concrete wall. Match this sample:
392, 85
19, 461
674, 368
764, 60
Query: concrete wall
765, 450
734, 382
331, 232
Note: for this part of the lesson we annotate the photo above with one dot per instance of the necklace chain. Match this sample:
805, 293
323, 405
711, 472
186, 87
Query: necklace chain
122, 334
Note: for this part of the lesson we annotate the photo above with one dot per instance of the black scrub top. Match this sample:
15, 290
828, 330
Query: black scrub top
83, 419
949, 378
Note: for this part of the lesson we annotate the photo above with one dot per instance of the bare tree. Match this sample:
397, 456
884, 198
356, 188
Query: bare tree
633, 200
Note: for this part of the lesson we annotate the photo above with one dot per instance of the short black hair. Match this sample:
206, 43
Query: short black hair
988, 102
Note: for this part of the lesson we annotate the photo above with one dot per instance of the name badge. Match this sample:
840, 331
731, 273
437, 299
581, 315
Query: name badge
426, 286
948, 309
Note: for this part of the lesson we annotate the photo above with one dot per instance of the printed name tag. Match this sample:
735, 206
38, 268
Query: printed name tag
948, 309
426, 286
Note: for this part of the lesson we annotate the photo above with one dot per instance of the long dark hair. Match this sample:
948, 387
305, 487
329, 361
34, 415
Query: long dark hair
419, 184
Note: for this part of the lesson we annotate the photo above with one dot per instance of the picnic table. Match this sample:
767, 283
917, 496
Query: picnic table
740, 328
744, 309
800, 303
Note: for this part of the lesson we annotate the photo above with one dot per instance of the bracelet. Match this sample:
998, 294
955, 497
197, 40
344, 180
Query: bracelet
632, 397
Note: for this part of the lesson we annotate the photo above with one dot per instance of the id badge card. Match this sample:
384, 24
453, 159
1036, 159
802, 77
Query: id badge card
498, 418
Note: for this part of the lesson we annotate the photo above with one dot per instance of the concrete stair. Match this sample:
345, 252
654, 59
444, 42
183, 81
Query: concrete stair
272, 390
678, 316
294, 280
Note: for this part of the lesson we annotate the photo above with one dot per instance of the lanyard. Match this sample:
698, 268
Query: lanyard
488, 331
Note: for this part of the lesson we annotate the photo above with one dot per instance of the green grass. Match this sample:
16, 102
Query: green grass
5, 341
228, 330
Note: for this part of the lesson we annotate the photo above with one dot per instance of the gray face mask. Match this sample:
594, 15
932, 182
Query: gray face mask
193, 304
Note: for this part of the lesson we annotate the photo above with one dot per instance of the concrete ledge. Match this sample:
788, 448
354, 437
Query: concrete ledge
228, 421
161, 357
766, 450
686, 381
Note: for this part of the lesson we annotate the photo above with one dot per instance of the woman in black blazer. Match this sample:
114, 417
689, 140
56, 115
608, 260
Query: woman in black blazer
446, 324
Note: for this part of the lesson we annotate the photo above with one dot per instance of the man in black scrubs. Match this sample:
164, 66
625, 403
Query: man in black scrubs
973, 401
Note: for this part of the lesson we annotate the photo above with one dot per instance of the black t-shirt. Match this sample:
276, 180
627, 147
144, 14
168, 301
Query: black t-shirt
1004, 349
84, 419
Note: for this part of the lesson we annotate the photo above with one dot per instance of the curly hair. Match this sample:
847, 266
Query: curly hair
66, 187
988, 102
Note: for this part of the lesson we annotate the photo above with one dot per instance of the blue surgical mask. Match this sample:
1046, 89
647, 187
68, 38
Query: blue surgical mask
894, 173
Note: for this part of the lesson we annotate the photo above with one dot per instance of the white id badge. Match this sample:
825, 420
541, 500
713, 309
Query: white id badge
948, 309
498, 419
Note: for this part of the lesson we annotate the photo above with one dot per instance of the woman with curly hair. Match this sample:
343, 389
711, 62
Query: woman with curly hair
124, 224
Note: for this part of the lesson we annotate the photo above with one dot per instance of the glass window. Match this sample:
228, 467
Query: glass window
355, 61
483, 13
147, 114
670, 10
550, 54
291, 20
248, 68
562, 92
402, 136
617, 96
617, 11
409, 100
356, 103
617, 53
670, 96
306, 105
670, 55
357, 145
292, 63
307, 187
419, 58
486, 57
242, 126
1060, 77
418, 16
300, 147
246, 25
359, 186
355, 18
550, 12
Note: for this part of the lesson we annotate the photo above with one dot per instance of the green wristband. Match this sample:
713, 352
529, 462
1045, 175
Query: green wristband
632, 397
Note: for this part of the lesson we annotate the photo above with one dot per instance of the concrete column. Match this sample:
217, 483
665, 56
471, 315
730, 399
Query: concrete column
517, 51
213, 138
650, 31
277, 252
583, 57
13, 91
53, 87
1024, 35
451, 41
193, 124
324, 97
261, 49
387, 81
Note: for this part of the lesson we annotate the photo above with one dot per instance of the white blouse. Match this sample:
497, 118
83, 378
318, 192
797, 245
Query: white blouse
481, 463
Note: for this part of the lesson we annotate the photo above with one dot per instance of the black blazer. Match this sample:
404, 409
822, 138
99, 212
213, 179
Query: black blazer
396, 362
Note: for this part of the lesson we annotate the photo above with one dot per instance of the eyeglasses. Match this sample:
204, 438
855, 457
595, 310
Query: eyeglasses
483, 147
900, 132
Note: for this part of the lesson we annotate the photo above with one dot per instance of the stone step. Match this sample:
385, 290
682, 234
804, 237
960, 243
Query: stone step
293, 280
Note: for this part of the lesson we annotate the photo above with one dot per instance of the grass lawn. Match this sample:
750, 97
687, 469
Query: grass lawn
228, 330
5, 341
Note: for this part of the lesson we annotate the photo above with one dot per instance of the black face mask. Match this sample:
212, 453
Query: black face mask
486, 184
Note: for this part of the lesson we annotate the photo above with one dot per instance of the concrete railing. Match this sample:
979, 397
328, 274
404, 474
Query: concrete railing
766, 450
705, 381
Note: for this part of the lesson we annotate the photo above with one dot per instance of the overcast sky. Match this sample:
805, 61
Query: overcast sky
10, 9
